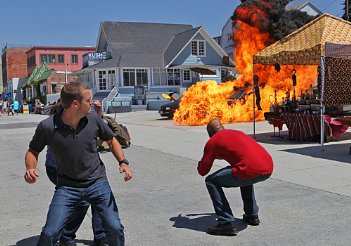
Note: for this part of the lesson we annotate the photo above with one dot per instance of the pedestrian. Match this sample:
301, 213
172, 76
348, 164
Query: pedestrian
249, 163
4, 106
81, 176
16, 106
10, 109
68, 234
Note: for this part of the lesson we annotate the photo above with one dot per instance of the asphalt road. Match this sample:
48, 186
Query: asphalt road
307, 200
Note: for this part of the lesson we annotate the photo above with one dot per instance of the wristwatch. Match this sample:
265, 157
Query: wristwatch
125, 161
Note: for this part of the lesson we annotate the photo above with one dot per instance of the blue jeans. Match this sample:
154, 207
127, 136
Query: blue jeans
69, 231
225, 178
64, 205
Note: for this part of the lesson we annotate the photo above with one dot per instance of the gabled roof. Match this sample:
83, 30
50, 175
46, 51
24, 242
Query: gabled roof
148, 40
300, 6
178, 43
210, 42
307, 44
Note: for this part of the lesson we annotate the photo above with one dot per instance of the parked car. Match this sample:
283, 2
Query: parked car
168, 109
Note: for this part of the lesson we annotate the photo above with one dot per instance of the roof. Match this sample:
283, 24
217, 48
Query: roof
306, 45
81, 48
178, 43
300, 6
148, 40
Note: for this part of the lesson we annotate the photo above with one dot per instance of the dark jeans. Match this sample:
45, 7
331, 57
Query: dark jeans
224, 178
69, 231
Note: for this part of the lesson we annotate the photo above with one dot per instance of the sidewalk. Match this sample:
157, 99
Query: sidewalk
307, 200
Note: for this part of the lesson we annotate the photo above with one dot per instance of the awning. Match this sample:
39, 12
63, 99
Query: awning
203, 70
306, 45
39, 74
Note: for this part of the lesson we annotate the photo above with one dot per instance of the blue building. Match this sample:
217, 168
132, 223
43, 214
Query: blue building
156, 57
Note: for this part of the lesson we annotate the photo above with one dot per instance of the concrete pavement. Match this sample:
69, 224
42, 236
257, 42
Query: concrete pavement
307, 200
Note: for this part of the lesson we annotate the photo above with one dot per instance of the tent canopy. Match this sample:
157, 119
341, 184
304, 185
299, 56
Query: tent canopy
306, 45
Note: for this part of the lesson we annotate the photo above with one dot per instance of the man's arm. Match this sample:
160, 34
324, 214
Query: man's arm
206, 162
31, 160
119, 155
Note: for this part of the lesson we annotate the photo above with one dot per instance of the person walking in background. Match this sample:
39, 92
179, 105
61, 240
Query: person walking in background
81, 176
16, 106
4, 106
249, 163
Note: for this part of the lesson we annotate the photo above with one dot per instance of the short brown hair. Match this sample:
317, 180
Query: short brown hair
72, 91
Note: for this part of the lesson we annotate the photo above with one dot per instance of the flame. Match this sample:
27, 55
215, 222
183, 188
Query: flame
208, 100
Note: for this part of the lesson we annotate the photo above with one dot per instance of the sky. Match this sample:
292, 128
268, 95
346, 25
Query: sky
76, 22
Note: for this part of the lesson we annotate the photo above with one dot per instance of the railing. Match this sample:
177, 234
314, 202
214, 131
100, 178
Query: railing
113, 93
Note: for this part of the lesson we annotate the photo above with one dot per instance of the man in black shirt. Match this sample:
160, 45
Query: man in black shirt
72, 135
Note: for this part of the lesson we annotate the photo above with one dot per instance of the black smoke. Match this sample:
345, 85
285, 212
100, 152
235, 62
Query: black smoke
270, 16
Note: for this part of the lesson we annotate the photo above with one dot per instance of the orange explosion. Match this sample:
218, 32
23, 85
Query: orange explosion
207, 100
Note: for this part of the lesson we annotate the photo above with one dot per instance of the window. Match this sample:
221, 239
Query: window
53, 88
51, 59
44, 58
74, 59
128, 77
31, 61
141, 75
173, 76
159, 76
61, 59
132, 77
102, 80
198, 48
186, 75
111, 78
47, 58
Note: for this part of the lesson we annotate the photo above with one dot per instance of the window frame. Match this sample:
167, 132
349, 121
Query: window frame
73, 59
59, 60
196, 49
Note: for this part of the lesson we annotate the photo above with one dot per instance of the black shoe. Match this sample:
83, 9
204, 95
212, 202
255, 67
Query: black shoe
226, 229
101, 242
67, 244
251, 219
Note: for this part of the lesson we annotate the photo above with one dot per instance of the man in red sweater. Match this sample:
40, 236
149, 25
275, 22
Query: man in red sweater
249, 163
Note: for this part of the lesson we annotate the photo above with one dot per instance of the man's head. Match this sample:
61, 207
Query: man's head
214, 126
76, 96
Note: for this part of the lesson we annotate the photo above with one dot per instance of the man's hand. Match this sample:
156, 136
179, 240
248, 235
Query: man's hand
31, 176
123, 168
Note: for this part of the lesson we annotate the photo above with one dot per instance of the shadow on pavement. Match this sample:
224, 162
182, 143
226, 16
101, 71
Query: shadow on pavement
335, 152
201, 222
31, 241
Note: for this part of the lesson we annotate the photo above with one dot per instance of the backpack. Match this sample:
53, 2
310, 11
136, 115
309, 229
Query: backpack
119, 131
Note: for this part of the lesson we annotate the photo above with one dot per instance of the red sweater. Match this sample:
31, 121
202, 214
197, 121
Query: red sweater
248, 158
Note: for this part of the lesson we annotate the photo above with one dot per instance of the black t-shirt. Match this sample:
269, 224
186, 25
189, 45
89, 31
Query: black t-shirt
77, 160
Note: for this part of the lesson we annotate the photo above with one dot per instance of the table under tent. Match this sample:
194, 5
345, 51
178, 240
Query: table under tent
325, 42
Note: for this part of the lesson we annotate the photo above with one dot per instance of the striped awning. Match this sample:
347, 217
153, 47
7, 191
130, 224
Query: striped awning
39, 74
306, 45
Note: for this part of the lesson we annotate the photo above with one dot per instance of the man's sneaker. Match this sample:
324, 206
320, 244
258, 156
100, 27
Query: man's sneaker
101, 242
251, 219
226, 229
